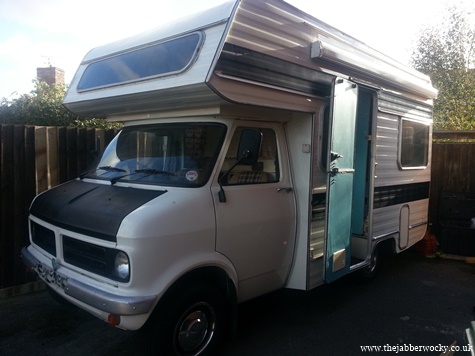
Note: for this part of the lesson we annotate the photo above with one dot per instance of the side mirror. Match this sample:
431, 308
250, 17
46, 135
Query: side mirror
248, 154
249, 147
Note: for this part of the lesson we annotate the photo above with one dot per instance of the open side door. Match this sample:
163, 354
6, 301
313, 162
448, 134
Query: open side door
340, 170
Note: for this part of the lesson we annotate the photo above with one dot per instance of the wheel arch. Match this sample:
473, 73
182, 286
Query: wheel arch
386, 247
213, 276
380, 252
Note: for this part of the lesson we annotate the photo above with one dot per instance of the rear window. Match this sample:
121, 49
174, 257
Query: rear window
159, 59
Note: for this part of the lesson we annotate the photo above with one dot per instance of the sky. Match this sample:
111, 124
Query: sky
59, 33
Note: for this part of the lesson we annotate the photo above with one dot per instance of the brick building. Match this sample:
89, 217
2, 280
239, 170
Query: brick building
50, 75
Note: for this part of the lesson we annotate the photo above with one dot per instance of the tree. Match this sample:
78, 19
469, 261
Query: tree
43, 107
446, 52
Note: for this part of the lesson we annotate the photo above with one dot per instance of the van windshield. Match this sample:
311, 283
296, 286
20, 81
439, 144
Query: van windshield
166, 154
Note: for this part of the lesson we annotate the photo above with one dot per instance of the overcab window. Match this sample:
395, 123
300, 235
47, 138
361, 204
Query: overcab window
153, 60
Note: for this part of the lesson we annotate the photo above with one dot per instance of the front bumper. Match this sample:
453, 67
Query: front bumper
94, 297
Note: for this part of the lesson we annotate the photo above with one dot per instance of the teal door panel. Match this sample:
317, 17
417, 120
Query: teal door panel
340, 168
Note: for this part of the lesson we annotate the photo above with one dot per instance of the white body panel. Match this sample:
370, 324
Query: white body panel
300, 144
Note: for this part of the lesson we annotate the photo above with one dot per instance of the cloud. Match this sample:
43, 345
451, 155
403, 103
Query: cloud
31, 31
35, 14
16, 54
100, 20
60, 32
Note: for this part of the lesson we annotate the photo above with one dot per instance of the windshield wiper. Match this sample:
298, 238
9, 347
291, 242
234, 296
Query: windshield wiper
147, 171
154, 171
104, 168
112, 169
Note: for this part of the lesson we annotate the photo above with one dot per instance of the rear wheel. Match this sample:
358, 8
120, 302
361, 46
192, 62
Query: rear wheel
191, 323
368, 273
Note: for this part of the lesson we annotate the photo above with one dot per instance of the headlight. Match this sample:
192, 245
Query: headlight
122, 266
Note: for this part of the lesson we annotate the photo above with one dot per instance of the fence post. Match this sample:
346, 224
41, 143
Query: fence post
20, 211
6, 211
52, 154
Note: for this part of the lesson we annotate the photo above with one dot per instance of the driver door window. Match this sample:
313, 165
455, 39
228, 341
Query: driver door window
266, 170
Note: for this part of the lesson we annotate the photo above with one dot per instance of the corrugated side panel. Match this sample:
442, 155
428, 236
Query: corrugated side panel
386, 220
317, 238
390, 110
419, 214
276, 28
266, 28
391, 103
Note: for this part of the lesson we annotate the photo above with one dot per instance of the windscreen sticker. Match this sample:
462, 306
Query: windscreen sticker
191, 176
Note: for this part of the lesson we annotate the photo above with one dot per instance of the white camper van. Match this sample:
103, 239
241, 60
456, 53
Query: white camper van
261, 149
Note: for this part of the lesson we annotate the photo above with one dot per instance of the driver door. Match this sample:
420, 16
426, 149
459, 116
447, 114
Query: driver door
256, 224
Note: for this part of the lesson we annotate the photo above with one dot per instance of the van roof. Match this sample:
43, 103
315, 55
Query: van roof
207, 59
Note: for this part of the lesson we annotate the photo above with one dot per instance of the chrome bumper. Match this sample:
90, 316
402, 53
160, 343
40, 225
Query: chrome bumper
91, 296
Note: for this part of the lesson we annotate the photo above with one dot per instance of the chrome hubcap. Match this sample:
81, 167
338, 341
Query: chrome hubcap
196, 329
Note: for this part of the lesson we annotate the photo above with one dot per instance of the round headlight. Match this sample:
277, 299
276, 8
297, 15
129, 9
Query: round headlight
121, 265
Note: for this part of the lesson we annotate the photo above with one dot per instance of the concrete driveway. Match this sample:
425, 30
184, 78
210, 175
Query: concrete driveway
414, 302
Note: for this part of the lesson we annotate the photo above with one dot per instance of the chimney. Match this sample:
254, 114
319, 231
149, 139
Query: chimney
50, 75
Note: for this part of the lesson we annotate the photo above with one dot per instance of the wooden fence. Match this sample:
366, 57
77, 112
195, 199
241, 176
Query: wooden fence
33, 159
453, 168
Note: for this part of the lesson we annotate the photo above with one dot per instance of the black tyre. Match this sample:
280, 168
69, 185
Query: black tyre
190, 322
370, 272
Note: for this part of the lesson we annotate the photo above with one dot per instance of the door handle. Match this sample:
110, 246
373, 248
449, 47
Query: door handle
337, 170
335, 155
287, 189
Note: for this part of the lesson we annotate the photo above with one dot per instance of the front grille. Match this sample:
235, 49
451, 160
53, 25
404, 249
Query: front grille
43, 237
87, 256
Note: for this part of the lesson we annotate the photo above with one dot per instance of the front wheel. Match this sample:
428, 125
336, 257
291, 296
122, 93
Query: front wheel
191, 323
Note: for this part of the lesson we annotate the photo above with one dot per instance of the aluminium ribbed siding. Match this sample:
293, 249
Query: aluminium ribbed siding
386, 220
391, 108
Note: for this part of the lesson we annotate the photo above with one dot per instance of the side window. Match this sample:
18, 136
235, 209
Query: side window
413, 144
266, 170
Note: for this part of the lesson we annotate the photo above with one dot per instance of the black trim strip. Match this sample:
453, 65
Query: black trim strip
400, 194
244, 63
